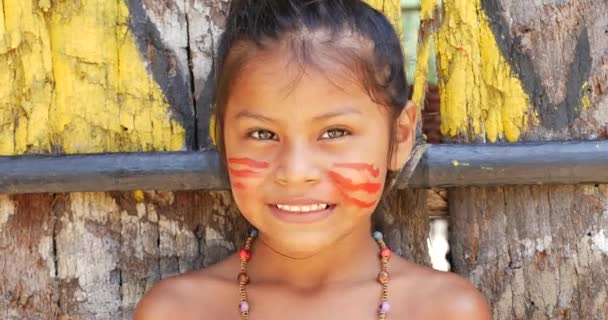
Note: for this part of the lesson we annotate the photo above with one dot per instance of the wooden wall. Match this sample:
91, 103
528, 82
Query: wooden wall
94, 76
514, 71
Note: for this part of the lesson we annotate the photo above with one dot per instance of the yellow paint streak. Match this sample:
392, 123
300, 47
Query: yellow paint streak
139, 196
585, 100
75, 81
427, 9
212, 129
480, 95
3, 34
421, 76
423, 51
392, 10
457, 163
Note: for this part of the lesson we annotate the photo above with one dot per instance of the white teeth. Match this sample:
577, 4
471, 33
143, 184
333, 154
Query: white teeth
308, 208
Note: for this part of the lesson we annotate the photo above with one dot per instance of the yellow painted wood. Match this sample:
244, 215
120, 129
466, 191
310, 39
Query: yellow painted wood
74, 81
427, 9
481, 97
421, 76
392, 9
423, 50
585, 99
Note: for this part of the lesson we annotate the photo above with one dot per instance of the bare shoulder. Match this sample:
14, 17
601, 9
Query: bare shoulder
443, 295
187, 296
459, 298
163, 301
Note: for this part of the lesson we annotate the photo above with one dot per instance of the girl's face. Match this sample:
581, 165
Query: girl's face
307, 156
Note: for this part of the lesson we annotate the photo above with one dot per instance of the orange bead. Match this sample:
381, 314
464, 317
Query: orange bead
383, 277
387, 253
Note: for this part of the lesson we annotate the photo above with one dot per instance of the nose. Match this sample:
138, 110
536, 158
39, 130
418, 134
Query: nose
298, 165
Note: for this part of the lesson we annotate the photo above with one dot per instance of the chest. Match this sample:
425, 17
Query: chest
351, 313
355, 304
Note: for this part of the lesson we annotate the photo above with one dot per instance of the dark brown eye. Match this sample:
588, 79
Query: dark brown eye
334, 134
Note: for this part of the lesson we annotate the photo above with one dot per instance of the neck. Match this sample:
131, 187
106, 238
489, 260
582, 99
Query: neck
354, 257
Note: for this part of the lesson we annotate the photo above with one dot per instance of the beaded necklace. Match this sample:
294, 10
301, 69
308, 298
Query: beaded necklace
383, 277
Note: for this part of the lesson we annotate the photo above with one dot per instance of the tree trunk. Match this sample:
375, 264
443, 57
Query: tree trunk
516, 70
135, 78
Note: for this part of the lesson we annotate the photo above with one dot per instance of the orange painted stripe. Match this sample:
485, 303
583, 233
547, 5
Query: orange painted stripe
360, 203
349, 186
238, 185
375, 172
249, 162
243, 173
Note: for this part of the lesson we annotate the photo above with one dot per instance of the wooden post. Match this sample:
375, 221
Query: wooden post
528, 71
123, 84
136, 78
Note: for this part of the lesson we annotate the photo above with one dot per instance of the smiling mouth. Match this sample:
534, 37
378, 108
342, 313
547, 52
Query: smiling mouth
303, 208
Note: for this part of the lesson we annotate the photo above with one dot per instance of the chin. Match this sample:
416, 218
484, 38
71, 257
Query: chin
303, 237
300, 244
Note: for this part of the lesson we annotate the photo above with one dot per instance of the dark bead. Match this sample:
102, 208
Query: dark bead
243, 278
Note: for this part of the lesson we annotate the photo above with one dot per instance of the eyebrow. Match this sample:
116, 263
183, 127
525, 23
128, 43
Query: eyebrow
251, 115
342, 111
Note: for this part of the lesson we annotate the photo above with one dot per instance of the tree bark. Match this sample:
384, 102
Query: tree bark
530, 71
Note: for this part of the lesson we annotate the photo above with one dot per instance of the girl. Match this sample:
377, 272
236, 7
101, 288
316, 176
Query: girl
312, 117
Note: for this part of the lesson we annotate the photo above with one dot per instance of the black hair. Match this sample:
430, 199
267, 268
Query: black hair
258, 25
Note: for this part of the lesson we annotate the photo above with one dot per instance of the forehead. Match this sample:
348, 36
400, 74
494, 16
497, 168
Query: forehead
277, 77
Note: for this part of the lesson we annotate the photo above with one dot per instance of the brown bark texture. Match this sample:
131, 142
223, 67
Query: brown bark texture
540, 252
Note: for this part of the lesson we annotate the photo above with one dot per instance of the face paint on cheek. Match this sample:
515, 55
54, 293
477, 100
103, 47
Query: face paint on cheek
360, 203
238, 185
375, 172
243, 173
243, 168
352, 190
249, 163
348, 185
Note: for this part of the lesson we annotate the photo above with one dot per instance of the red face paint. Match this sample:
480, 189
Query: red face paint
242, 168
349, 188
375, 172
243, 173
238, 185
249, 163
348, 185
360, 203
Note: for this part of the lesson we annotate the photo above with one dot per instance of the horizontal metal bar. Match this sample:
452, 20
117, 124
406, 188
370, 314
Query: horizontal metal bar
451, 165
442, 165
111, 171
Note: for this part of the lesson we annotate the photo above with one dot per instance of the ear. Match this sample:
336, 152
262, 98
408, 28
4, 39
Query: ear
405, 137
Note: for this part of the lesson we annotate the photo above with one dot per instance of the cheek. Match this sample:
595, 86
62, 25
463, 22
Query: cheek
359, 183
244, 197
246, 173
